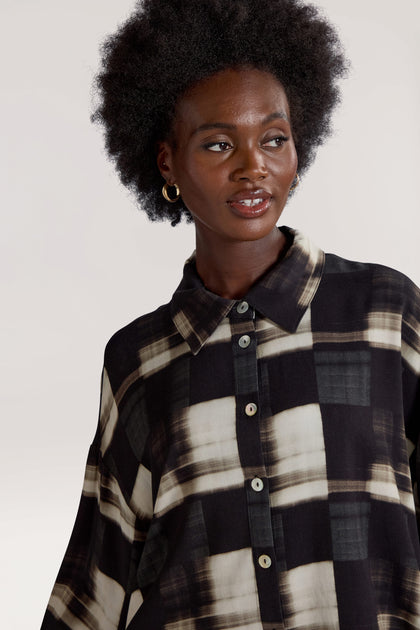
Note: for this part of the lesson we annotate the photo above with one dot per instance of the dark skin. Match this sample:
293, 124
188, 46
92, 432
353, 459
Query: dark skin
233, 157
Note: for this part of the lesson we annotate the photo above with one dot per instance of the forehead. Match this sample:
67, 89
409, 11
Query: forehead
233, 96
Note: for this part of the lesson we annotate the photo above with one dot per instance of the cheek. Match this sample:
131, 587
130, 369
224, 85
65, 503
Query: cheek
198, 179
291, 157
294, 158
197, 188
283, 166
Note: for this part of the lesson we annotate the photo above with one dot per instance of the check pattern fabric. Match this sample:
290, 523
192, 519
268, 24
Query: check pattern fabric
254, 465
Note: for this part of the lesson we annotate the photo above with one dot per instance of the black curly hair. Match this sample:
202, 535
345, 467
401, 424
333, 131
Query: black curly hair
167, 46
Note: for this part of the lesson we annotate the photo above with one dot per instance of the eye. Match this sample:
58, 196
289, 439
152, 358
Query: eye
218, 147
275, 142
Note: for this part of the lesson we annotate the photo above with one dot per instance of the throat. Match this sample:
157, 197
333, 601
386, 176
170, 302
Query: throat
232, 270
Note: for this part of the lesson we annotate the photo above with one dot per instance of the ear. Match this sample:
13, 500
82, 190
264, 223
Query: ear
165, 161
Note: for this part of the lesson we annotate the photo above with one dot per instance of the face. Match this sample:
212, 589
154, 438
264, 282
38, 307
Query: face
232, 156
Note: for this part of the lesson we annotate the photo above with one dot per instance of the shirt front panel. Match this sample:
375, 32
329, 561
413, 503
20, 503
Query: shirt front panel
280, 468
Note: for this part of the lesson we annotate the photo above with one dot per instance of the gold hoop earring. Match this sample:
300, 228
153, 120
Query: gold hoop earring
295, 183
166, 195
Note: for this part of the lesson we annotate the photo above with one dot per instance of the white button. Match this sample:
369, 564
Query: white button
251, 409
242, 307
264, 561
257, 484
244, 341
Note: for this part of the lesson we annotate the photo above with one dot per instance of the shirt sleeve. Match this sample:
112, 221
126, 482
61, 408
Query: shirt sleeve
96, 585
410, 351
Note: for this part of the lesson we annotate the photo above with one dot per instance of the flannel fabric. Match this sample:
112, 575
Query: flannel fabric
254, 460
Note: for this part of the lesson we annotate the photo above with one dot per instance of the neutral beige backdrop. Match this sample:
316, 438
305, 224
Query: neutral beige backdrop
79, 261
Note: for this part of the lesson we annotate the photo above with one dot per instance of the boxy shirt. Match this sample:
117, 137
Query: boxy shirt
254, 465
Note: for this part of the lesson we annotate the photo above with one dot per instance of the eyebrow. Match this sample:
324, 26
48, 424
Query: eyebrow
221, 125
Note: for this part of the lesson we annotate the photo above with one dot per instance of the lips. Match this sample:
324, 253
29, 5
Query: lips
250, 203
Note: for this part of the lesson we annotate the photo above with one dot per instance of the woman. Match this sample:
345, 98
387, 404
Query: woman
251, 464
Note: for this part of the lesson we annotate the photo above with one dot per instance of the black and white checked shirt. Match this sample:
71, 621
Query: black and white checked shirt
251, 467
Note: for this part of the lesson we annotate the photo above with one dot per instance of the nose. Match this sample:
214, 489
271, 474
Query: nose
249, 165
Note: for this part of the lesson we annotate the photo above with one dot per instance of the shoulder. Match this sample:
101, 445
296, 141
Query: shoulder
372, 278
125, 350
337, 265
352, 290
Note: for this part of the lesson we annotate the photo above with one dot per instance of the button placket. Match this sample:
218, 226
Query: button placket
249, 406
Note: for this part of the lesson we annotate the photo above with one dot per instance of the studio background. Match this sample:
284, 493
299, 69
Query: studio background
78, 261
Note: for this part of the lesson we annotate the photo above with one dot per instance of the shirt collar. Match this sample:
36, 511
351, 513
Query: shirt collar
283, 294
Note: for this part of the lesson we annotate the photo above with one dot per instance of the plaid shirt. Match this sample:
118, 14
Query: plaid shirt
251, 467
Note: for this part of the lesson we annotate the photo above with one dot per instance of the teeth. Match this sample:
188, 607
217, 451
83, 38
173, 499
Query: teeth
251, 202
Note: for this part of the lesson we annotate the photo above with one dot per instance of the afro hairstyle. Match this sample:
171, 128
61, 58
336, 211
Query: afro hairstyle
167, 46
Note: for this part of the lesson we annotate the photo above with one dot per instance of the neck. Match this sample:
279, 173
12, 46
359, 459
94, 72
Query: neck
229, 269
